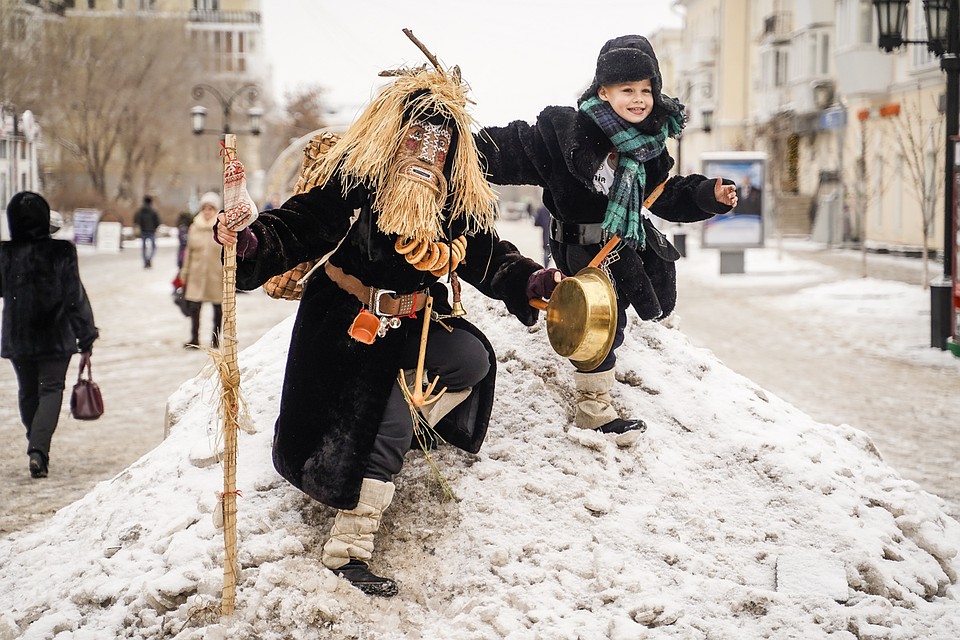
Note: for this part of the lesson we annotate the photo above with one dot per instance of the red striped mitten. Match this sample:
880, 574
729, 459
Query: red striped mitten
238, 207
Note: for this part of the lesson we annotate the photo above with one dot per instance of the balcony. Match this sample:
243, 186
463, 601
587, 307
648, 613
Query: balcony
777, 27
863, 70
225, 17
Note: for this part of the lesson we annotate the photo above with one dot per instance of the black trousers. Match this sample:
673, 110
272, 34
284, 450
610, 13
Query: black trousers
40, 395
460, 360
195, 324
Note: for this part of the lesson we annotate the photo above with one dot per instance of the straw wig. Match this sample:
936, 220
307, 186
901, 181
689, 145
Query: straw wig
367, 152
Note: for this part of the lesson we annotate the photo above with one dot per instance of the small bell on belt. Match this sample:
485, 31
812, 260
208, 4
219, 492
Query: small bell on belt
457, 311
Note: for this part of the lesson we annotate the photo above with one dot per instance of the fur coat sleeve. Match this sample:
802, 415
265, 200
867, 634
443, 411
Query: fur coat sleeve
561, 153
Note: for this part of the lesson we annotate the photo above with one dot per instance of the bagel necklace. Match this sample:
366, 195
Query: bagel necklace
438, 258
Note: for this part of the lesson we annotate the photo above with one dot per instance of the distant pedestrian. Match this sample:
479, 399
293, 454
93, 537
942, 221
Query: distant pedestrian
202, 270
272, 202
147, 219
46, 319
542, 219
183, 227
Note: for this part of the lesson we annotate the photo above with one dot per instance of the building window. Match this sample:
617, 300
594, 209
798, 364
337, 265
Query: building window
781, 70
206, 5
921, 55
865, 23
825, 53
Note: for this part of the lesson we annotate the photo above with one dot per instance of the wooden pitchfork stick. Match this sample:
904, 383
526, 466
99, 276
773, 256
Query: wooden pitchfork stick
420, 397
230, 380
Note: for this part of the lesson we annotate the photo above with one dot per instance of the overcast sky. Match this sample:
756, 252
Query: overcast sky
518, 56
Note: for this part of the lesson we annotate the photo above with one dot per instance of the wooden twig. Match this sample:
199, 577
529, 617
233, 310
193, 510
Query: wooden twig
432, 58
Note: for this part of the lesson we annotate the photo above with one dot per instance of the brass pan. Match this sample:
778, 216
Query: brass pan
582, 311
582, 318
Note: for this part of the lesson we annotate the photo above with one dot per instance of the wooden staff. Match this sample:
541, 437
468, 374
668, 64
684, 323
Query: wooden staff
230, 380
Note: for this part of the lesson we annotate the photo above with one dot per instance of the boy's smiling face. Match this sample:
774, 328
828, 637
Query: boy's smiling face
632, 101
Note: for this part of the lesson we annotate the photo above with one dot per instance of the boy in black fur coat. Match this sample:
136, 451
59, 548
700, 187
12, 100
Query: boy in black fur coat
597, 164
409, 169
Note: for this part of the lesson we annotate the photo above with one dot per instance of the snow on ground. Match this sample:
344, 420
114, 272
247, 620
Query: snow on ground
736, 516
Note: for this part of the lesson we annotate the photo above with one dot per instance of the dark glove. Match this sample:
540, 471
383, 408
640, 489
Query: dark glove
247, 243
541, 283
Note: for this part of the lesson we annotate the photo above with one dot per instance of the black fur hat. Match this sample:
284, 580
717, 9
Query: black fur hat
28, 216
629, 59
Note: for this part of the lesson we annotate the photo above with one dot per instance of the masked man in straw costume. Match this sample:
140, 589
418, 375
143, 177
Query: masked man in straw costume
409, 167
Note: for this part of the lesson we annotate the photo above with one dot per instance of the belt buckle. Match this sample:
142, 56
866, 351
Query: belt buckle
376, 300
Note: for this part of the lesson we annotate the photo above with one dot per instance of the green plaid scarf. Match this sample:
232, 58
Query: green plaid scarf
630, 178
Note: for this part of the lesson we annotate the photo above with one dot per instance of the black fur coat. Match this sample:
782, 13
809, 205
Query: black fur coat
335, 388
46, 312
561, 153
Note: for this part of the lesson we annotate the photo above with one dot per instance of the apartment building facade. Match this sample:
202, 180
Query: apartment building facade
854, 136
227, 39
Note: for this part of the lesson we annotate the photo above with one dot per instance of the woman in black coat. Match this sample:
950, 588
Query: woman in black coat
46, 319
593, 188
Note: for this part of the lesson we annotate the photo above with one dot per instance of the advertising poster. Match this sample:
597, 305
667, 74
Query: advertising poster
742, 228
85, 227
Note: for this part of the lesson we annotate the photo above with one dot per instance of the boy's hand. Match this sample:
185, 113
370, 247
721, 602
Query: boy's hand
725, 193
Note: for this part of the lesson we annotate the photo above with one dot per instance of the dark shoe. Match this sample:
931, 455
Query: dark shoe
359, 575
623, 426
626, 432
38, 465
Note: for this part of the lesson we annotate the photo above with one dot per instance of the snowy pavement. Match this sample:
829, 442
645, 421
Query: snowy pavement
138, 362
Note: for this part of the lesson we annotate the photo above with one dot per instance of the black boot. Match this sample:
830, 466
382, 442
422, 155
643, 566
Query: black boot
360, 576
38, 464
623, 426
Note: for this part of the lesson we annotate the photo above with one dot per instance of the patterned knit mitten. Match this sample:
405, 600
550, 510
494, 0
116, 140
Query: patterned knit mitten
238, 206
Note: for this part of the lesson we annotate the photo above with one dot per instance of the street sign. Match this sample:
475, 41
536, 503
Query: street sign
833, 118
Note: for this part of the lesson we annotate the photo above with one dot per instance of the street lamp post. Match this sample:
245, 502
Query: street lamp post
943, 40
198, 113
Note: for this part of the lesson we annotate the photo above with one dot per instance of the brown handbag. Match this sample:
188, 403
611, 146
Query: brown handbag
287, 285
86, 402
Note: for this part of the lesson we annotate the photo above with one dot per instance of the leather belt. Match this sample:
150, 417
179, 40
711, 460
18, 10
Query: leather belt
572, 233
382, 302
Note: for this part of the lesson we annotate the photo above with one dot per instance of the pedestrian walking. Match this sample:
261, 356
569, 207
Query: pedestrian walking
184, 221
202, 270
46, 319
147, 220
